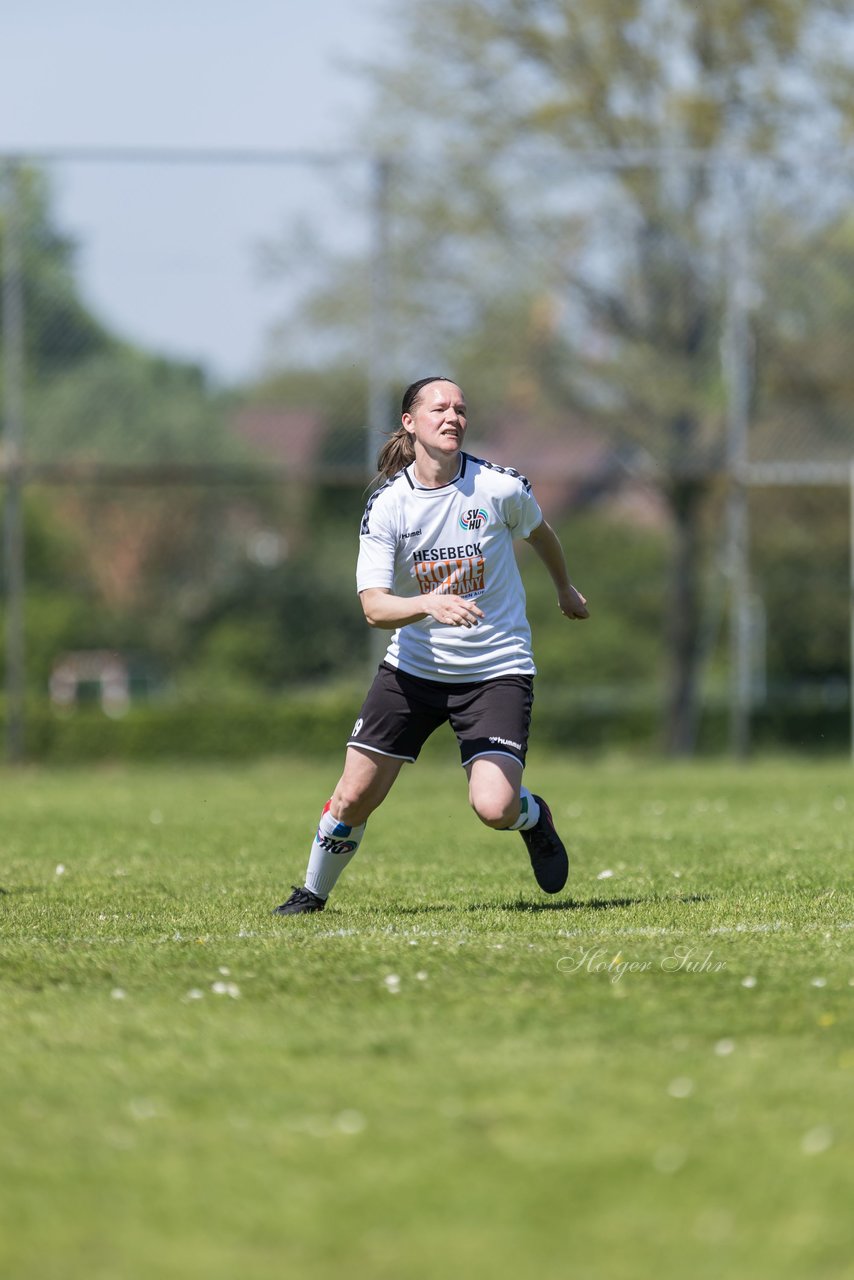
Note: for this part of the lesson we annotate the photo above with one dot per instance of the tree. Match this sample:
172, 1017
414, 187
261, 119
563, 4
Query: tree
492, 103
59, 328
125, 406
129, 567
803, 326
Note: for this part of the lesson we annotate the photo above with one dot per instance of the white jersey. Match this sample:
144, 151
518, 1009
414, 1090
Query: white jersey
458, 538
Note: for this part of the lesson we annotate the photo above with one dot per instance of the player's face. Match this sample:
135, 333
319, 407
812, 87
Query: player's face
437, 420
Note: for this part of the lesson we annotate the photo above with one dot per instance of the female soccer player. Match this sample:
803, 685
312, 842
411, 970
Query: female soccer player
436, 567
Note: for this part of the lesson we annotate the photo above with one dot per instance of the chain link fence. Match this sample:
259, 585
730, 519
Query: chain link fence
202, 354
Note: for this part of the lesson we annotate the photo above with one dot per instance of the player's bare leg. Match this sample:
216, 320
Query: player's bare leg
501, 801
366, 781
495, 787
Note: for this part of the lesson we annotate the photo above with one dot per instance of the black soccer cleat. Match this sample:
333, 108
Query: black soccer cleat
546, 851
300, 901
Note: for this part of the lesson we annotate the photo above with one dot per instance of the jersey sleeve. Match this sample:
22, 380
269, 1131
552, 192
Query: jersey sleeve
522, 512
377, 547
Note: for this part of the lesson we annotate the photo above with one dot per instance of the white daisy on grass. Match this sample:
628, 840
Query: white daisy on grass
226, 989
818, 1140
350, 1122
142, 1109
681, 1087
669, 1159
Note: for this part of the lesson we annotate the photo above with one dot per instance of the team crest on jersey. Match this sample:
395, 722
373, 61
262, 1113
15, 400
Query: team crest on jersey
476, 518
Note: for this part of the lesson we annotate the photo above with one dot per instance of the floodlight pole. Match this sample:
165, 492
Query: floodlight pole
11, 461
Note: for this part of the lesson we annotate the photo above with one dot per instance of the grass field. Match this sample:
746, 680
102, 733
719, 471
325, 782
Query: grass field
445, 1074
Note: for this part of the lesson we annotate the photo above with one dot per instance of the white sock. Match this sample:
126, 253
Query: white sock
333, 847
529, 814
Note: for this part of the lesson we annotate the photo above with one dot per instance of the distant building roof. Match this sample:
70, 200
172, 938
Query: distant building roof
292, 437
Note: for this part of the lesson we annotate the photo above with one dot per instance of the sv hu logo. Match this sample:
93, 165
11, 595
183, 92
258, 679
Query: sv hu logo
333, 846
474, 519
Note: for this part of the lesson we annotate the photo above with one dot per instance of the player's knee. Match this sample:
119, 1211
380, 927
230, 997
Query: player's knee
495, 810
351, 804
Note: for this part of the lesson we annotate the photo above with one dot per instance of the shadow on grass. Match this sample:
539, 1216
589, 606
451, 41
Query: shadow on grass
594, 904
562, 904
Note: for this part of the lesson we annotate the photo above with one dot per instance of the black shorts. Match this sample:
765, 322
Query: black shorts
489, 717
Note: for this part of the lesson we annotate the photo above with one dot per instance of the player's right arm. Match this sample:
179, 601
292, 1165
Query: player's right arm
387, 611
379, 542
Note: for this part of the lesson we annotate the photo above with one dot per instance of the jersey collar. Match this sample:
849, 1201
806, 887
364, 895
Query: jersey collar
423, 488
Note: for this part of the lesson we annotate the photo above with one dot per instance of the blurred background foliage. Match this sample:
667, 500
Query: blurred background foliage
568, 249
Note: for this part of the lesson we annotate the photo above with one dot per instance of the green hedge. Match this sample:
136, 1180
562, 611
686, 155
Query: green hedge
202, 731
319, 724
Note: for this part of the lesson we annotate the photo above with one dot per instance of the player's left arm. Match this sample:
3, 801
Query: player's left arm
546, 543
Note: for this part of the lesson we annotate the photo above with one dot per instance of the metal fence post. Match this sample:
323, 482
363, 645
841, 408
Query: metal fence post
380, 327
379, 342
736, 366
851, 624
12, 462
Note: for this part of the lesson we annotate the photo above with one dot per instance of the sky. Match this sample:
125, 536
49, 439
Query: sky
168, 255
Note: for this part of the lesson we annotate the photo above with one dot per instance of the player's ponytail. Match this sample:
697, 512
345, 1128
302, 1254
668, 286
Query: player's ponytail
397, 453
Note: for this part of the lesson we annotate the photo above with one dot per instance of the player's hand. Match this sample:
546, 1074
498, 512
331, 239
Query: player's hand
573, 604
452, 611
